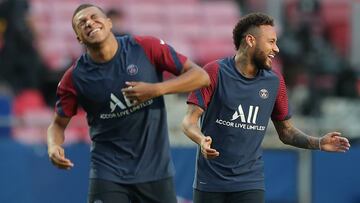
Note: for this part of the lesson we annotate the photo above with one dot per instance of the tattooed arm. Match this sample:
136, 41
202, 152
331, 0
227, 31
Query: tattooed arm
289, 134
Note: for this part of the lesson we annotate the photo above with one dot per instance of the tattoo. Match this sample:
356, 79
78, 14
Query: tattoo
292, 136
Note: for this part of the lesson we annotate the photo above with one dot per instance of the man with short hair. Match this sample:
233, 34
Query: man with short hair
235, 109
118, 82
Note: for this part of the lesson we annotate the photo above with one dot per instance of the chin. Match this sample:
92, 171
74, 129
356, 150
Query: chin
267, 67
94, 41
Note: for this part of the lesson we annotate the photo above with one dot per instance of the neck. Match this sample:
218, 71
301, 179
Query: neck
104, 51
245, 65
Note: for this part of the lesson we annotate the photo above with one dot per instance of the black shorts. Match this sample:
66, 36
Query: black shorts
248, 196
102, 191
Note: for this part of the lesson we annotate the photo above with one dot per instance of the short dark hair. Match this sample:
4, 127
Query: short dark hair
246, 23
82, 7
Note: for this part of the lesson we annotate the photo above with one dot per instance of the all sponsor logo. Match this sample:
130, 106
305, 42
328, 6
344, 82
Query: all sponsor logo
115, 102
241, 120
119, 109
251, 117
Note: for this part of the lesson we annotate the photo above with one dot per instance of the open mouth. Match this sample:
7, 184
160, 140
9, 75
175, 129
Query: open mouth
271, 57
93, 32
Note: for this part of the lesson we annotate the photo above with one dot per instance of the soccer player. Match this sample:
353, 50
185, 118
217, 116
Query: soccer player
235, 109
118, 82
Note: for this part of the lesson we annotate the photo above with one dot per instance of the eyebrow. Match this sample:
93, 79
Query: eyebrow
82, 18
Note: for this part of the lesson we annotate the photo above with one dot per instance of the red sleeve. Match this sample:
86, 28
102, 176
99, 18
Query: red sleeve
202, 97
281, 109
66, 104
162, 55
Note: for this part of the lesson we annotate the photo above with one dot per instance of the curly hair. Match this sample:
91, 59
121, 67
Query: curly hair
246, 23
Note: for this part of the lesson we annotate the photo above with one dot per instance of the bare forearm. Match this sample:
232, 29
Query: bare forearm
297, 138
192, 79
290, 135
55, 135
55, 132
190, 124
193, 132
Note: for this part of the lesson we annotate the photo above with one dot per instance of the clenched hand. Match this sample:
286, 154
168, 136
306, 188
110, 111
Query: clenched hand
139, 92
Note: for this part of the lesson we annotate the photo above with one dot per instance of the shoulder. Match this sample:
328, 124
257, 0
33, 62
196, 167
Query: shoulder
149, 42
80, 61
70, 70
146, 39
75, 69
277, 74
271, 75
212, 66
68, 75
212, 69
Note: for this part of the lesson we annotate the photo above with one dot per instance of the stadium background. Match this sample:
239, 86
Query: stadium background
319, 43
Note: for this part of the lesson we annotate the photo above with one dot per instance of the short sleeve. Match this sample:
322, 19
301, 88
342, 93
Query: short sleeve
201, 97
162, 55
66, 104
281, 109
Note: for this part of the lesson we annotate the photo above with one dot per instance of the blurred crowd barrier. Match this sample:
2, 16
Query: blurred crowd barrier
28, 176
26, 117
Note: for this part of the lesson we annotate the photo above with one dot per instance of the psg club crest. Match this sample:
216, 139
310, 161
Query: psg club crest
132, 69
264, 94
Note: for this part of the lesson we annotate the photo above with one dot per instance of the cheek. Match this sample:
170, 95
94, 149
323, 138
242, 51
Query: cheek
106, 24
261, 54
78, 32
269, 47
265, 46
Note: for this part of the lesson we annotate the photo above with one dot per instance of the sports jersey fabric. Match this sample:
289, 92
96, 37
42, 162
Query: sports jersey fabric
236, 114
129, 142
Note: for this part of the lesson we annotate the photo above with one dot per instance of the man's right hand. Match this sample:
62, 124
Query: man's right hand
57, 157
206, 149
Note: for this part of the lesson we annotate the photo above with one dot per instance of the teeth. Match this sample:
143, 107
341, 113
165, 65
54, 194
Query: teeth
271, 56
94, 31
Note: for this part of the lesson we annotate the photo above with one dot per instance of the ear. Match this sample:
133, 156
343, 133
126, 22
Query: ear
79, 40
110, 23
250, 40
78, 37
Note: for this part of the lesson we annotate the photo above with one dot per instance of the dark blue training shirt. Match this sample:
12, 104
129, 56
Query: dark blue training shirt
129, 142
236, 115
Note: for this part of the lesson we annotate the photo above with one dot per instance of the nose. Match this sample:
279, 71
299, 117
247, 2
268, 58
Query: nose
276, 49
88, 23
